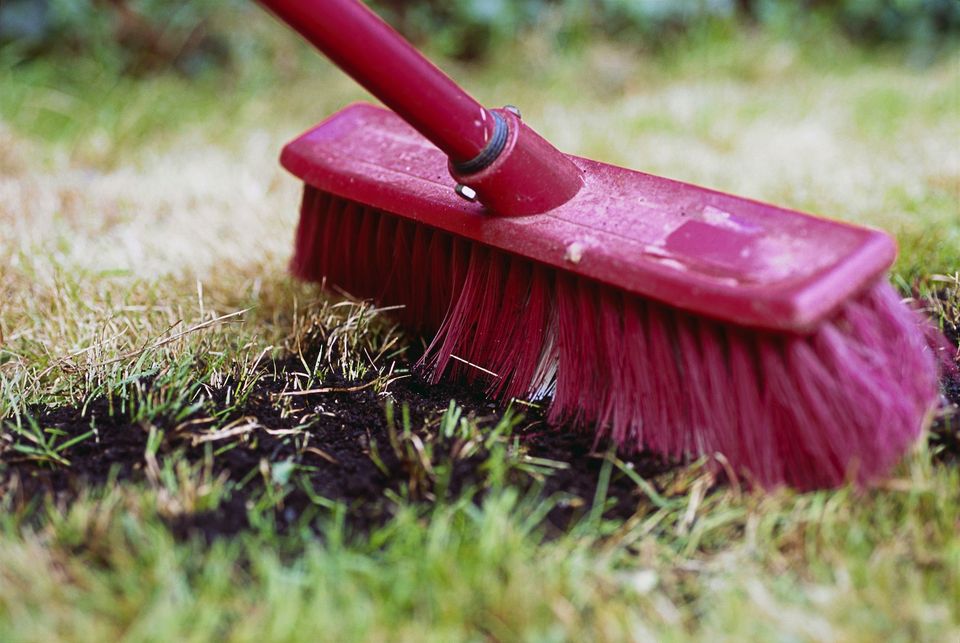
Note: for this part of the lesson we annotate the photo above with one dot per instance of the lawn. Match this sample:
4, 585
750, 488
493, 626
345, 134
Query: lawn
164, 476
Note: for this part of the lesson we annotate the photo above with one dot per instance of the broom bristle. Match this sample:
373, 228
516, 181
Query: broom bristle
843, 403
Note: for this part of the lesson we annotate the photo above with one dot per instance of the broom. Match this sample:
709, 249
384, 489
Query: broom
665, 316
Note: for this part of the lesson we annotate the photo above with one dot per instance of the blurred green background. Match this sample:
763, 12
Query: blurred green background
848, 108
143, 36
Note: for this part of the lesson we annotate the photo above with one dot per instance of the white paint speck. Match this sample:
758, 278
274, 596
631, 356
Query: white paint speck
574, 252
716, 216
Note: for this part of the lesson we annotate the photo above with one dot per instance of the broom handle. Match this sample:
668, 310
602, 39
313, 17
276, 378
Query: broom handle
388, 66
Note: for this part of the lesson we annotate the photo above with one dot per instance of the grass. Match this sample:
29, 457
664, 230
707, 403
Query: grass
145, 232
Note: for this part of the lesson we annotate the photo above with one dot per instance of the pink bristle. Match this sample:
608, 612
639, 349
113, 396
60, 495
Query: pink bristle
577, 356
636, 385
844, 402
308, 240
748, 399
665, 382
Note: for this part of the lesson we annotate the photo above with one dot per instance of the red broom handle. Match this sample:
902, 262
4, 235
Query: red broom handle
383, 62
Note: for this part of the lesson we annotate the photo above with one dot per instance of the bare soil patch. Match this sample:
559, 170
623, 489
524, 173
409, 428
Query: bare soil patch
345, 454
338, 445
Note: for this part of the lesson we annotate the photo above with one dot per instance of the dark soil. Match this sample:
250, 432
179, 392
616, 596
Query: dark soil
945, 432
335, 450
347, 431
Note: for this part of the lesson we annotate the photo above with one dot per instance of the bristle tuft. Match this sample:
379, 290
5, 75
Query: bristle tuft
841, 404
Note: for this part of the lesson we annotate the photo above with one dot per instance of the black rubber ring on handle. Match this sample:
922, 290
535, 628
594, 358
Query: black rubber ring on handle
490, 153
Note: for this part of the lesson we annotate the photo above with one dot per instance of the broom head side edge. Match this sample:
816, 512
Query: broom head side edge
713, 254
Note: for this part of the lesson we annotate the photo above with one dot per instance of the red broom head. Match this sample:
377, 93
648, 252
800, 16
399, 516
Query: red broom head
843, 402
